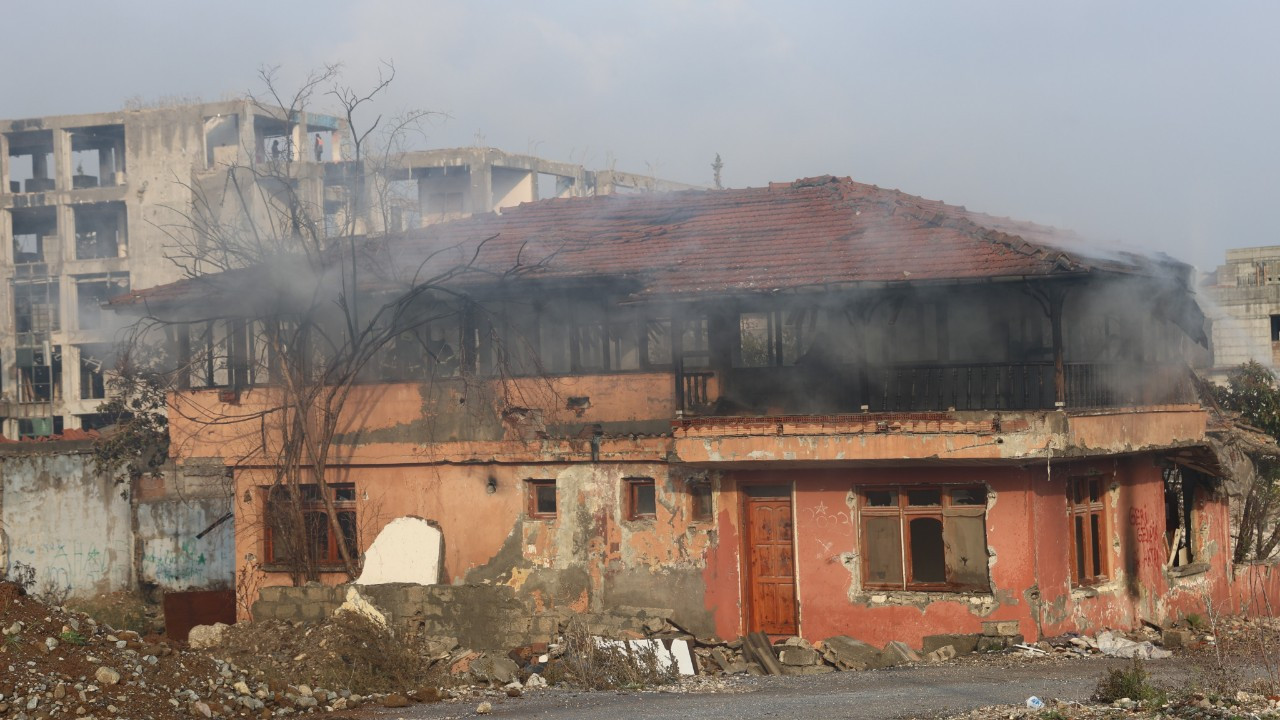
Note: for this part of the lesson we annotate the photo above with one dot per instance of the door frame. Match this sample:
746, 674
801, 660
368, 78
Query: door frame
744, 550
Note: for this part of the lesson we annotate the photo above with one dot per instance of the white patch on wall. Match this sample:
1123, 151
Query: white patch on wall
407, 550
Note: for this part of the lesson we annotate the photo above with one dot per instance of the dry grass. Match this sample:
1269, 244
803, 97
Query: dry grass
588, 663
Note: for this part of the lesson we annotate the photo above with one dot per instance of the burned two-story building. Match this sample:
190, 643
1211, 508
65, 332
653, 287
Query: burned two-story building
812, 408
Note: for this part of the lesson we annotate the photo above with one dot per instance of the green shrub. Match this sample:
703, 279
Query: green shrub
1133, 682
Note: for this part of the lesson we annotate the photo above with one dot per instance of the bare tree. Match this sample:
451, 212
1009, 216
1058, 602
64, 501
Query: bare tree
306, 291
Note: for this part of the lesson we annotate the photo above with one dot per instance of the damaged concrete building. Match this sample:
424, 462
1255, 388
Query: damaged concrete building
92, 205
814, 408
1245, 291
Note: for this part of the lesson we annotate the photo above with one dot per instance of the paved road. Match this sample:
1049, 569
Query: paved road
915, 692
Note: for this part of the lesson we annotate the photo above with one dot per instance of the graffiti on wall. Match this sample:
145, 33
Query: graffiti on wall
181, 562
65, 565
831, 526
1149, 536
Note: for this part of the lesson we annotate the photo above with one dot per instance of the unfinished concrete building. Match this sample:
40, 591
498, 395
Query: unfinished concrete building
815, 408
1245, 308
93, 205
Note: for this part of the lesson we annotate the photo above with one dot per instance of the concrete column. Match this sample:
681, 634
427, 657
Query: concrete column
4, 163
65, 248
70, 381
248, 142
62, 159
481, 187
6, 257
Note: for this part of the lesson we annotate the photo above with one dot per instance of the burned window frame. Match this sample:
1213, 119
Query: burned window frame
534, 487
948, 512
24, 306
1088, 551
30, 380
566, 334
313, 510
789, 333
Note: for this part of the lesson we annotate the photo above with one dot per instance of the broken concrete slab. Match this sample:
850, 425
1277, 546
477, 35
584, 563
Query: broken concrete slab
408, 550
796, 656
847, 653
899, 652
203, 636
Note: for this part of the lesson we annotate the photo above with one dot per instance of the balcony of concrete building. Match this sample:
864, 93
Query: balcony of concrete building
31, 167
97, 157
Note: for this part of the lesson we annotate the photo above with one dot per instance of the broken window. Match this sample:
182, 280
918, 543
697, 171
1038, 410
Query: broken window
92, 291
300, 532
542, 499
94, 362
29, 428
429, 350
100, 231
642, 499
774, 337
221, 140
924, 538
1086, 507
39, 374
657, 342
35, 235
36, 307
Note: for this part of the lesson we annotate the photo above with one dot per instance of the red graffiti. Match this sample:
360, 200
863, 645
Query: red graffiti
1149, 537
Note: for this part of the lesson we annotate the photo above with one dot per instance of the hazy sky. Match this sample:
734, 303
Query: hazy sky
1155, 124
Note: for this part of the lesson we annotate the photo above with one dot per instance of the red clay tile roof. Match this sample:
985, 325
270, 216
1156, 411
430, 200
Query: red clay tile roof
809, 233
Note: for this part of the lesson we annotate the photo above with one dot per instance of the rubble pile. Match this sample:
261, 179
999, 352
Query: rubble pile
60, 664
56, 663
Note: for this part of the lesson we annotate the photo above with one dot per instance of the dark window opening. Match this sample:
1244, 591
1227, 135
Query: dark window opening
774, 337
299, 532
100, 231
542, 499
1275, 328
701, 503
96, 421
35, 235
1087, 508
924, 538
642, 503
1180, 486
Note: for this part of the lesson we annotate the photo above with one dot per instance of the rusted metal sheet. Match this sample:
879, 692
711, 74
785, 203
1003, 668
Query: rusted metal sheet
185, 610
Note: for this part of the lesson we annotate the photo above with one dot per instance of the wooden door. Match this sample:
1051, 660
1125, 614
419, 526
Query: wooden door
771, 576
